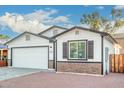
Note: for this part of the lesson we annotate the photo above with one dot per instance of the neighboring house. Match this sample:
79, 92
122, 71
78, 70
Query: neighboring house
120, 39
76, 49
3, 48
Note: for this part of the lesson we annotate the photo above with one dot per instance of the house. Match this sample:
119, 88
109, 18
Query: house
76, 49
119, 37
2, 41
3, 48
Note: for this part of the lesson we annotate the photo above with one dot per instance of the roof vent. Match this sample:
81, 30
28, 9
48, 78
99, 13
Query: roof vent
77, 32
27, 37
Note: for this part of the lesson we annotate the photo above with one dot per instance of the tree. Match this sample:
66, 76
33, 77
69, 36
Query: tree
117, 19
98, 22
93, 20
3, 36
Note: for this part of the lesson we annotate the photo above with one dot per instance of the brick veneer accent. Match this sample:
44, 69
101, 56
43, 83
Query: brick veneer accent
90, 68
50, 66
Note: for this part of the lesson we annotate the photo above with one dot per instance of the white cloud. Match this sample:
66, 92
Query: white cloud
68, 25
47, 17
62, 19
100, 7
84, 25
57, 20
40, 15
34, 22
119, 7
18, 23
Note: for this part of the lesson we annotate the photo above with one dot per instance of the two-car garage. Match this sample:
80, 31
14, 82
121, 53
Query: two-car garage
29, 53
30, 57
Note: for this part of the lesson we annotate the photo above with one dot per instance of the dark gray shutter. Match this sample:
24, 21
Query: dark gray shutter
65, 49
90, 49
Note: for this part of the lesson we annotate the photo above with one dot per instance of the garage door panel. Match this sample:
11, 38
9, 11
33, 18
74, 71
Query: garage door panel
36, 57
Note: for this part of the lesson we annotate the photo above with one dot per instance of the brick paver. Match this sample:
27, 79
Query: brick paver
61, 80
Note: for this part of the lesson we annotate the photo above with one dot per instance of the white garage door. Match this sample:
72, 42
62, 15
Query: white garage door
35, 57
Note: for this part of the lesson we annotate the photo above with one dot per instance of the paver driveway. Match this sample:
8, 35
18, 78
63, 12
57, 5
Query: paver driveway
61, 80
9, 72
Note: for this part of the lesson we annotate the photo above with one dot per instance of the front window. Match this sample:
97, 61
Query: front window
77, 50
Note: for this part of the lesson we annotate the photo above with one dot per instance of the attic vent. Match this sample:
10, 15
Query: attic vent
55, 32
77, 32
27, 37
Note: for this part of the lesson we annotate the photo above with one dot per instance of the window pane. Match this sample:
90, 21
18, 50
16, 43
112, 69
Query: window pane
81, 50
73, 50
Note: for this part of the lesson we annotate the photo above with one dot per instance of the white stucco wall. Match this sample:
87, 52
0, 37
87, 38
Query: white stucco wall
34, 41
110, 46
83, 35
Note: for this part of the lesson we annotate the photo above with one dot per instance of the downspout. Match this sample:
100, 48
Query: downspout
102, 58
55, 55
11, 56
7, 56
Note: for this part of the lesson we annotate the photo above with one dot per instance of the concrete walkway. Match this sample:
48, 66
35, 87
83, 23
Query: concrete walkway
9, 72
62, 80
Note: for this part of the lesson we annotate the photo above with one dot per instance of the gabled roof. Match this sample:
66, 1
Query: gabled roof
28, 33
91, 30
51, 28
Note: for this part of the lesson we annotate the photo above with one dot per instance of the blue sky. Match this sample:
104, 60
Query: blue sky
75, 10
63, 15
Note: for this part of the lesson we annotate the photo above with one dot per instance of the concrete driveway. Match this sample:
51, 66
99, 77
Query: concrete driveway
9, 72
62, 80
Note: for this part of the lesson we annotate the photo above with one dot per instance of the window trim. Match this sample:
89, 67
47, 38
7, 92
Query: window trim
69, 50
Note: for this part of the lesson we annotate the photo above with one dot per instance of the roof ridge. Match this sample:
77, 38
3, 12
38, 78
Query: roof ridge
52, 27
